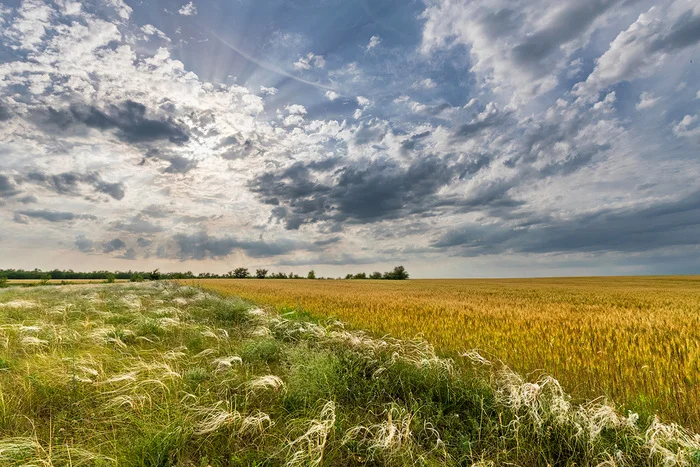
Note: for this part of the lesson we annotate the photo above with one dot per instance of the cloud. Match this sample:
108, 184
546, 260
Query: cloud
130, 254
519, 47
8, 187
138, 225
4, 113
202, 246
646, 45
490, 117
82, 243
640, 228
296, 109
271, 91
115, 244
29, 199
68, 183
177, 164
361, 192
54, 216
128, 118
332, 95
364, 102
688, 127
427, 83
310, 61
647, 100
189, 9
374, 42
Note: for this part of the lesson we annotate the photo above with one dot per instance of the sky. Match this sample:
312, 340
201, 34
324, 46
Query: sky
483, 138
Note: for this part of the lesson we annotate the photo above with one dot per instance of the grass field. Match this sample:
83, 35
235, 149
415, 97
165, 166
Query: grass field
155, 375
59, 281
634, 339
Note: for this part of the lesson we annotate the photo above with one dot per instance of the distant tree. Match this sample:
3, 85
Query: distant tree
155, 275
111, 278
261, 273
137, 277
279, 275
398, 274
360, 275
375, 275
241, 273
349, 276
311, 275
3, 280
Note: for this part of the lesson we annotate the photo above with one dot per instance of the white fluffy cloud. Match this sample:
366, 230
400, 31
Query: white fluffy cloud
647, 100
518, 48
427, 83
374, 41
310, 61
189, 9
657, 35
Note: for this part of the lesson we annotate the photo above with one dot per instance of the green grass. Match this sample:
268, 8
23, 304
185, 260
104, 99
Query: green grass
162, 375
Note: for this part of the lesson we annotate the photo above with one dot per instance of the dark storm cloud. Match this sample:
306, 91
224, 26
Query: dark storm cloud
7, 187
177, 163
412, 143
490, 118
130, 253
84, 244
641, 229
364, 192
685, 32
369, 132
237, 147
54, 216
143, 242
128, 119
157, 212
4, 113
68, 183
20, 219
29, 199
202, 245
566, 26
113, 245
137, 224
540, 140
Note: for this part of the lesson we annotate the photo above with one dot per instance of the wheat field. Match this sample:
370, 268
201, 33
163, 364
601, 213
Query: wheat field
157, 375
635, 340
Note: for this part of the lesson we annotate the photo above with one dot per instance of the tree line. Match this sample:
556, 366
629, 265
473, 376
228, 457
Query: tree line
398, 273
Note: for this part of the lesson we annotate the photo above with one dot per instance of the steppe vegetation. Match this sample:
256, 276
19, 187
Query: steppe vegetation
635, 340
160, 375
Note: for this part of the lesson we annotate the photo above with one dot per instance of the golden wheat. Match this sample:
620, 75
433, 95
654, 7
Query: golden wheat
633, 339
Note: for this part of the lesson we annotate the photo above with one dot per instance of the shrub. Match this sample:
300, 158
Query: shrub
111, 278
261, 273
